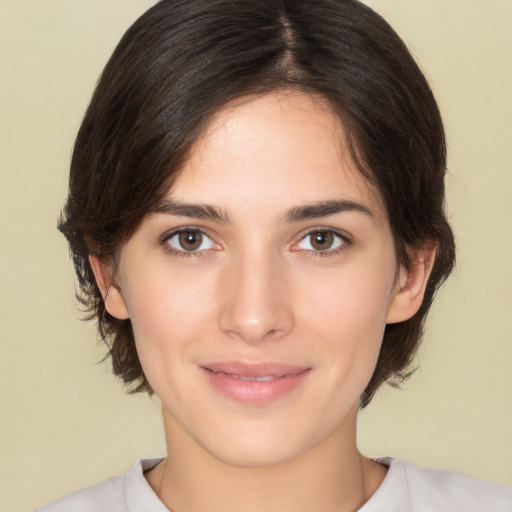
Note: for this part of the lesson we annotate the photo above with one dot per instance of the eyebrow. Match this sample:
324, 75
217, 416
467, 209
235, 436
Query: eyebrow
324, 209
193, 210
315, 210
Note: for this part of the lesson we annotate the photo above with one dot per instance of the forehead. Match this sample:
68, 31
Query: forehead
287, 146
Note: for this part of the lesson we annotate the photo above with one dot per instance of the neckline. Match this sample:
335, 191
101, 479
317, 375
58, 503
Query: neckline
139, 495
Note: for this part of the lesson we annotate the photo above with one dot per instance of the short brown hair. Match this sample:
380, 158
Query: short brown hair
182, 61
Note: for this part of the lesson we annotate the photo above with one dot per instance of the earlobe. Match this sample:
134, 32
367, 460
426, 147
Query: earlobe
410, 286
112, 297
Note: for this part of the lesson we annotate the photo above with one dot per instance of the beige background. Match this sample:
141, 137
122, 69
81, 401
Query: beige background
64, 422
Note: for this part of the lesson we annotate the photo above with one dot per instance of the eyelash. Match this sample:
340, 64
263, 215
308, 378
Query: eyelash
346, 242
166, 237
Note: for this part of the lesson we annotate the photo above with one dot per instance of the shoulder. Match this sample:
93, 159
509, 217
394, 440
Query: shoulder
446, 488
124, 493
107, 495
439, 490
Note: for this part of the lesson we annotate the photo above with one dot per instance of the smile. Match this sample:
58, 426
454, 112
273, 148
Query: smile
254, 384
265, 378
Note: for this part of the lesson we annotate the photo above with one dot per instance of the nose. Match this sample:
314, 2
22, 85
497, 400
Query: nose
255, 305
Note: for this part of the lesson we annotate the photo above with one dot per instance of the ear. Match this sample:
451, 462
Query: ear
111, 293
410, 286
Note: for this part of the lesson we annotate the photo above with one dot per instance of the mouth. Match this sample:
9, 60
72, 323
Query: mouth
254, 384
264, 378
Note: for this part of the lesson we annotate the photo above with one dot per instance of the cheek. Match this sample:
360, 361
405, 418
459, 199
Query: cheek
168, 310
163, 299
351, 303
346, 317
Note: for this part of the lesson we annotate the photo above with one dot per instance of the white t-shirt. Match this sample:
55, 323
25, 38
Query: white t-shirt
406, 488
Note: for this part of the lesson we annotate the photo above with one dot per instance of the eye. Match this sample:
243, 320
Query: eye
321, 240
190, 240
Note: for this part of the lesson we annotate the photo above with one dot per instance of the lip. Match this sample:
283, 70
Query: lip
254, 383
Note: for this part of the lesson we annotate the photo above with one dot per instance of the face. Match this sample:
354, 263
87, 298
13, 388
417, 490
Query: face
259, 292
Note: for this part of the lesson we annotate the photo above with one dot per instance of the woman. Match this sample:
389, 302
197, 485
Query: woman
256, 220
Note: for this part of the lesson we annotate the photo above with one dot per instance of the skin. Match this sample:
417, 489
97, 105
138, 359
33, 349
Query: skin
258, 290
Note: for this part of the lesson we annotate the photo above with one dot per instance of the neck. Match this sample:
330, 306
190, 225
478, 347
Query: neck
333, 476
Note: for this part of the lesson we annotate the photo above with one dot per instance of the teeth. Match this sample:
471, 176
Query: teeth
265, 378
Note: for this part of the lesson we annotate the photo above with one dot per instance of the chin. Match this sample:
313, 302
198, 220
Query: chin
254, 454
258, 444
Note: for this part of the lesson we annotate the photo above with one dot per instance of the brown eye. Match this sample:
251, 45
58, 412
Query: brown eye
190, 240
322, 240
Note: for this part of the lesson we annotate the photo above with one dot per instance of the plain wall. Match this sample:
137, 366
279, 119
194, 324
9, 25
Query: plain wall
64, 420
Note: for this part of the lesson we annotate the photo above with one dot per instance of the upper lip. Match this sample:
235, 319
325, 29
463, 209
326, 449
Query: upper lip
265, 369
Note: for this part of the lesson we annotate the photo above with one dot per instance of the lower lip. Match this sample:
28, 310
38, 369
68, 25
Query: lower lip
255, 392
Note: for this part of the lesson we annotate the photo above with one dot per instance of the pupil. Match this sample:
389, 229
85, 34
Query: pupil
322, 240
190, 240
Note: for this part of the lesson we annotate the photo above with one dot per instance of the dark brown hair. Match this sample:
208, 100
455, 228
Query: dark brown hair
182, 61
